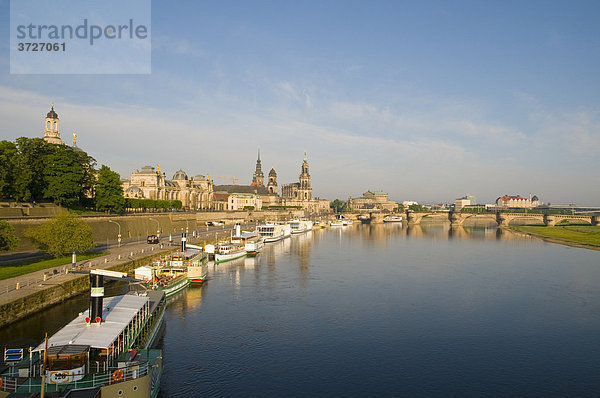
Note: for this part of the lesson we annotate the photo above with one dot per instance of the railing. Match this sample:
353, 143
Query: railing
113, 376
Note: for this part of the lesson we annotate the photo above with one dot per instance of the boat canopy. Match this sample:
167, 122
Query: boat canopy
118, 312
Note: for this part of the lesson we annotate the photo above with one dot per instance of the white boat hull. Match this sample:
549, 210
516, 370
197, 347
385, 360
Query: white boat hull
221, 258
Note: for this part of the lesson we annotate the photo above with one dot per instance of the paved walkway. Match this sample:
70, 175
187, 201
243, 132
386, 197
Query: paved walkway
44, 279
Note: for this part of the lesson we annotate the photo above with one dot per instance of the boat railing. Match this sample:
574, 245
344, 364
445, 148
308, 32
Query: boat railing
114, 375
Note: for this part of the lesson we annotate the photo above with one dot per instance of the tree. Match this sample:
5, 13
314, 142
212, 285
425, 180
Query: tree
64, 177
109, 192
400, 208
28, 167
8, 239
7, 152
417, 208
62, 234
338, 206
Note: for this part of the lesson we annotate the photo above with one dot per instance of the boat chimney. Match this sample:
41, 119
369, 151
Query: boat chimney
183, 241
96, 297
238, 230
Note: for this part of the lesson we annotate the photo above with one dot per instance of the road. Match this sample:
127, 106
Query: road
117, 254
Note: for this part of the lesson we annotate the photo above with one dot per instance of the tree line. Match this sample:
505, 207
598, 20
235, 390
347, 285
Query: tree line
33, 170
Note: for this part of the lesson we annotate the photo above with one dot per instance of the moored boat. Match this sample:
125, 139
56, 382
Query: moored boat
103, 352
271, 232
300, 226
253, 244
169, 275
392, 218
227, 251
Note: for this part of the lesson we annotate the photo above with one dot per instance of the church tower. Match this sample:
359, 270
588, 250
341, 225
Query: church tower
305, 191
51, 133
272, 185
258, 177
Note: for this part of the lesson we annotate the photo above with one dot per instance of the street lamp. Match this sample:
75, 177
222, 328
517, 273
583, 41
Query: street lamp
158, 226
118, 236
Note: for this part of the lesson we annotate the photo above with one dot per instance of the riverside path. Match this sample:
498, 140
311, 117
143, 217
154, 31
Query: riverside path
13, 289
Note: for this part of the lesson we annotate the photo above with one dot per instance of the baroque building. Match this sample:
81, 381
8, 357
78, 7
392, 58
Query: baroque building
517, 201
372, 200
300, 193
272, 185
51, 133
301, 190
258, 176
148, 183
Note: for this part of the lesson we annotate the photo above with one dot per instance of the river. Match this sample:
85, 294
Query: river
383, 310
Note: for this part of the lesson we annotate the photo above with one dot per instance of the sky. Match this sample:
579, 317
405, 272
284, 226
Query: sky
427, 100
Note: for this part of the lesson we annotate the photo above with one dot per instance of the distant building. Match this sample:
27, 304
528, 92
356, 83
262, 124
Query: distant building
272, 185
372, 200
194, 193
51, 133
300, 193
517, 201
258, 177
467, 200
266, 198
408, 203
439, 206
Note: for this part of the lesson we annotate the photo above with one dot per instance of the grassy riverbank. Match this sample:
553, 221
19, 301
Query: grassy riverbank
577, 235
10, 271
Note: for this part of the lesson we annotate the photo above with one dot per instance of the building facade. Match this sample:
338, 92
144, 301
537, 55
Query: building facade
517, 201
300, 193
372, 200
466, 200
258, 177
272, 185
149, 183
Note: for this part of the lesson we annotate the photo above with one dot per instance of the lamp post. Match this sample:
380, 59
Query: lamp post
158, 226
118, 236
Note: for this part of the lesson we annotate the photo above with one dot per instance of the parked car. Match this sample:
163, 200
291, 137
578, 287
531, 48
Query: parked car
153, 240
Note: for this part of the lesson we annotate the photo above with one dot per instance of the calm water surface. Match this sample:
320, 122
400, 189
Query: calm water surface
383, 311
391, 311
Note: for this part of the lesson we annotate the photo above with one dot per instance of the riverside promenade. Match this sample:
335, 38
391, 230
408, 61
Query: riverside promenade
19, 287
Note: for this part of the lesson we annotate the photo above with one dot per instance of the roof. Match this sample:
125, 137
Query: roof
241, 189
117, 312
134, 188
221, 196
511, 197
147, 170
180, 175
52, 113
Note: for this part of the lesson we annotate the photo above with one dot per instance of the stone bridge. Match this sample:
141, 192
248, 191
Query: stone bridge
503, 219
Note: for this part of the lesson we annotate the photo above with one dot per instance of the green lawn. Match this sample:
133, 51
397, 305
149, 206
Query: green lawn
581, 234
10, 271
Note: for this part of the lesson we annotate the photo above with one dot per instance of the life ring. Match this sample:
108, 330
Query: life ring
117, 375
1, 382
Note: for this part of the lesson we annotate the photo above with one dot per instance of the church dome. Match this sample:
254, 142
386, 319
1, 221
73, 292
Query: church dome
535, 198
180, 175
133, 189
272, 173
52, 113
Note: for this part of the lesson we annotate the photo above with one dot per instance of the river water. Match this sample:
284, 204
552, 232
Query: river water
384, 310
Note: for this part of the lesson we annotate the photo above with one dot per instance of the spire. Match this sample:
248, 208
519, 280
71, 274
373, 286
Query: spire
74, 139
305, 159
258, 160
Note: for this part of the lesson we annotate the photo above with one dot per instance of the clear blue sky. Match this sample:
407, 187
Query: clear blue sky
426, 100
